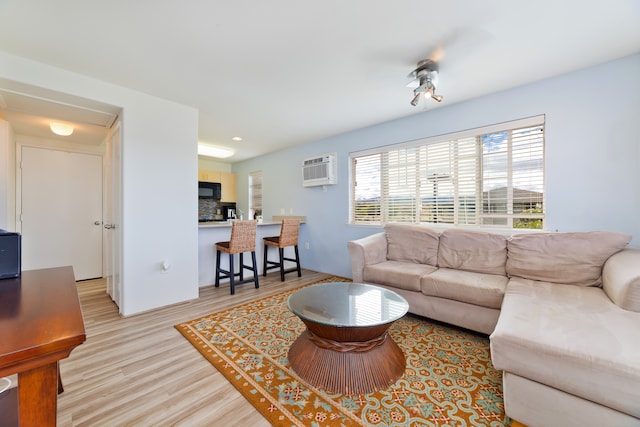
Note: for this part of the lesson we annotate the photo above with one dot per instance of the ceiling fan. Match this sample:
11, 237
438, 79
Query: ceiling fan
425, 78
454, 44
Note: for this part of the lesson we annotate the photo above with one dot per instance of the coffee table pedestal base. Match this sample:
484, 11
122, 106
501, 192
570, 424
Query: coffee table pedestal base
348, 365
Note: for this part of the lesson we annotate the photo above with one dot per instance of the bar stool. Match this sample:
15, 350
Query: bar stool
288, 237
243, 239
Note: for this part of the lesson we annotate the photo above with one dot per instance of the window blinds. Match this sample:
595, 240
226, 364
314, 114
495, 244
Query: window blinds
489, 176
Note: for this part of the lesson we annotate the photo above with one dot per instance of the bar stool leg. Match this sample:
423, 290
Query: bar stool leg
217, 269
241, 267
264, 262
281, 253
255, 269
232, 275
295, 248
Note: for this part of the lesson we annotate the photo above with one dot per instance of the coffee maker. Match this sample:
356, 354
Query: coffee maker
228, 211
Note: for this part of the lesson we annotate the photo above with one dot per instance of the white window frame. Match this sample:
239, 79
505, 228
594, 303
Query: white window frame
255, 194
411, 187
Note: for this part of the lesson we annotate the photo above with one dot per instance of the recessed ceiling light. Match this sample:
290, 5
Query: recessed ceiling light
236, 138
62, 129
207, 150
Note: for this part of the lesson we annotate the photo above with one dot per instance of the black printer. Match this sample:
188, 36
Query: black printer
10, 254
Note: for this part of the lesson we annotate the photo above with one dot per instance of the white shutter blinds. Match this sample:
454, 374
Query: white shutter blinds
400, 189
255, 194
366, 189
513, 177
491, 178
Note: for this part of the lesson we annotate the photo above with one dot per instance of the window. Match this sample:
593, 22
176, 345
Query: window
255, 194
492, 176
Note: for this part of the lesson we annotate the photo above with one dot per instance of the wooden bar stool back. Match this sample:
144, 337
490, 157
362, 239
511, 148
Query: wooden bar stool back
243, 239
288, 237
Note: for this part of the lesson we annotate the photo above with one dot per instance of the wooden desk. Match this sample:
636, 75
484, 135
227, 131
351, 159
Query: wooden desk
40, 323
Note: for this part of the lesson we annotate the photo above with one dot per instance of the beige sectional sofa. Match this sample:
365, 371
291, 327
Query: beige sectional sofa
562, 311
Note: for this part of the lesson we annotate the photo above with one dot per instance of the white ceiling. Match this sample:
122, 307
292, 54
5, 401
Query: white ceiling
284, 72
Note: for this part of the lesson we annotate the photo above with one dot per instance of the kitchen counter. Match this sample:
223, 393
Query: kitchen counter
276, 220
227, 224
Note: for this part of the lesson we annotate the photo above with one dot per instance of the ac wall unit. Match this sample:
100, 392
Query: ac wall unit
320, 170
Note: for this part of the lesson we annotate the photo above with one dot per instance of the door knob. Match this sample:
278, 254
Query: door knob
109, 226
97, 223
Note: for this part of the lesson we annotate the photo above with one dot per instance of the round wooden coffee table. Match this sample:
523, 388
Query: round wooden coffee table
346, 347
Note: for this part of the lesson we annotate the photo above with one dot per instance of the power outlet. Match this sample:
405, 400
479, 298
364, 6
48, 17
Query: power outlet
165, 267
307, 245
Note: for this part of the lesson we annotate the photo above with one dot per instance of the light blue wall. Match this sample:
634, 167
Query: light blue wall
592, 158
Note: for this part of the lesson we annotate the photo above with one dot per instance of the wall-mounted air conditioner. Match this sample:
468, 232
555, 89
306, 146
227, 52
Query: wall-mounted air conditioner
320, 170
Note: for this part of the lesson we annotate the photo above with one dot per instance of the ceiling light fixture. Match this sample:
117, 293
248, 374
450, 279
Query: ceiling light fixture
236, 138
209, 151
61, 129
425, 75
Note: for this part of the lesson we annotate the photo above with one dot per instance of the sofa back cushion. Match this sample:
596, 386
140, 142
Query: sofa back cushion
412, 243
475, 251
568, 258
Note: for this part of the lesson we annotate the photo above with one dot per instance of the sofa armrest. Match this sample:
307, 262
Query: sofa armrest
366, 251
621, 279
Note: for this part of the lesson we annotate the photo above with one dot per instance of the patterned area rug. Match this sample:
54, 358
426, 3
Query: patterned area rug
449, 379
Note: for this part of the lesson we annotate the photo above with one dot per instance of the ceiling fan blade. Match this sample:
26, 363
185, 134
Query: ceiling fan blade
437, 54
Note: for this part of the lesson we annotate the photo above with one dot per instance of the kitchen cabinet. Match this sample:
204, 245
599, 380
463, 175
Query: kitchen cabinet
208, 176
227, 181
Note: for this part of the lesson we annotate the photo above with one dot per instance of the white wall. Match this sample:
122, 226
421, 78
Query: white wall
7, 177
159, 168
592, 158
212, 164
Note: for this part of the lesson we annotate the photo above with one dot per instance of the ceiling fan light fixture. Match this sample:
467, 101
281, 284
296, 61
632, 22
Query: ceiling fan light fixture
61, 129
425, 75
415, 99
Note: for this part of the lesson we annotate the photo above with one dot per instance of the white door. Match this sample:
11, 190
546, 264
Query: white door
61, 211
112, 237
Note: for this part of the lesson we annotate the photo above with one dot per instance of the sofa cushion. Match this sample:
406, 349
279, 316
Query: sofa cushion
486, 290
567, 258
404, 275
473, 251
570, 338
412, 243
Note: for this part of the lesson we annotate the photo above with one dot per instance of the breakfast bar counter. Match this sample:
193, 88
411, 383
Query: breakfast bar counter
227, 224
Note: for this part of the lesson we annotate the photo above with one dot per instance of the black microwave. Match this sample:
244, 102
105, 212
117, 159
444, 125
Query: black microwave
209, 190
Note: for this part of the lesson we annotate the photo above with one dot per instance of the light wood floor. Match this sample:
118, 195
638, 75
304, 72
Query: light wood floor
139, 371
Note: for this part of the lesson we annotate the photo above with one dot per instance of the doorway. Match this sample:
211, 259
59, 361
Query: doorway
60, 215
112, 238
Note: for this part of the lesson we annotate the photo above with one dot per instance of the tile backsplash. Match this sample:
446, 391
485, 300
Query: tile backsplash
208, 209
